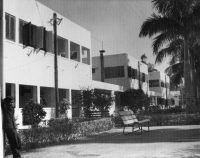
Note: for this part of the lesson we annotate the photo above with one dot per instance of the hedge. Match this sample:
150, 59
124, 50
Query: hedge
167, 120
56, 134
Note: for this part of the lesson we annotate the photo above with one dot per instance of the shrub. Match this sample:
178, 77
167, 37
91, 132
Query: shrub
33, 113
135, 99
91, 100
64, 107
57, 133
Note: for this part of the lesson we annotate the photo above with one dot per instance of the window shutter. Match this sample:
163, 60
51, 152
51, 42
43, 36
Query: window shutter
132, 73
12, 28
49, 41
33, 36
7, 26
27, 34
129, 71
39, 38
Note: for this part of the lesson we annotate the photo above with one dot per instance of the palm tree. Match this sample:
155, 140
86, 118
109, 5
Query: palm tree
143, 58
176, 19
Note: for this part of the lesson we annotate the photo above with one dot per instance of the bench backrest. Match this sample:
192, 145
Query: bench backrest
128, 117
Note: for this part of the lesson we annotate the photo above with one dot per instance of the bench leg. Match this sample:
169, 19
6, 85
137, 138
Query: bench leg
124, 130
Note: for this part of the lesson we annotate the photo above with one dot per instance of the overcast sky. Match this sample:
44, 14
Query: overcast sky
115, 22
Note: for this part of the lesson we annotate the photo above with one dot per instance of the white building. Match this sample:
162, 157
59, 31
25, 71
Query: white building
123, 70
29, 71
159, 87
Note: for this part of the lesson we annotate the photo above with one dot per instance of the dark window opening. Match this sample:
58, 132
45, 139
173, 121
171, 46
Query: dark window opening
162, 84
62, 47
93, 70
114, 72
10, 27
85, 55
153, 83
74, 51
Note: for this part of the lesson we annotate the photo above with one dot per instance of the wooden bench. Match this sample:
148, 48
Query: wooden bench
130, 120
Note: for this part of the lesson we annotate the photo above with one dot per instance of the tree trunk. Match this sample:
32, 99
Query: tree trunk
193, 77
187, 74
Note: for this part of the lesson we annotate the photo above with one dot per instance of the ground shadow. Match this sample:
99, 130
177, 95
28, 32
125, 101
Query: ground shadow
154, 136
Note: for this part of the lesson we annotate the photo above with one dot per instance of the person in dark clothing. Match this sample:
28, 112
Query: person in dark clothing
8, 108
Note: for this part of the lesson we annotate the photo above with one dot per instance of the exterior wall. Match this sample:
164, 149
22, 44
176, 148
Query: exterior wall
134, 83
26, 66
120, 60
159, 91
161, 77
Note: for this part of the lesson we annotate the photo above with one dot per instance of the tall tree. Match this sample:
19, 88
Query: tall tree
176, 19
143, 58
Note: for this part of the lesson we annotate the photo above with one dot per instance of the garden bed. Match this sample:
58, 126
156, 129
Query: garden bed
58, 133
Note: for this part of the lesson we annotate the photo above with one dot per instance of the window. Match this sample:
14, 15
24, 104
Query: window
132, 73
162, 84
114, 72
85, 55
153, 83
10, 27
62, 47
74, 51
34, 36
93, 70
129, 71
21, 24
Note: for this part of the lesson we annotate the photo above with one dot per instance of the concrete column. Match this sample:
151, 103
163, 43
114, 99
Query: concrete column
16, 95
38, 94
69, 98
18, 113
112, 109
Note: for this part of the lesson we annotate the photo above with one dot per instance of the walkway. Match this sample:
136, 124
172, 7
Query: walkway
160, 142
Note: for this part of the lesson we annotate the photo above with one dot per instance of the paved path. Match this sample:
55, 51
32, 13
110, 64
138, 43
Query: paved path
160, 142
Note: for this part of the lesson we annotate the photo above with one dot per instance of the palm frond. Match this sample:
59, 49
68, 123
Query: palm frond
176, 9
165, 38
160, 56
158, 24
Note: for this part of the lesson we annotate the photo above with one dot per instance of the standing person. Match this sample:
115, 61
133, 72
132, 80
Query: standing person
8, 108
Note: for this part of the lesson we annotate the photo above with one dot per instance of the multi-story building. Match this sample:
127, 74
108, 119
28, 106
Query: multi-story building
123, 70
159, 87
29, 59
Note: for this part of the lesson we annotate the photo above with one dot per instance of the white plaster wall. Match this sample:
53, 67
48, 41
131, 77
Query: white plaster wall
161, 77
28, 67
24, 66
119, 60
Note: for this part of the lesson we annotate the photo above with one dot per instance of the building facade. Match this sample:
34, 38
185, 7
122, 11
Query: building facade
159, 87
29, 59
123, 70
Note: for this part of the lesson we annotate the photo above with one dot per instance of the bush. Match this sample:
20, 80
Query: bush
64, 107
33, 113
57, 132
135, 99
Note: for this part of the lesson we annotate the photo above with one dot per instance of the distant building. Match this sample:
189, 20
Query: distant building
159, 87
123, 70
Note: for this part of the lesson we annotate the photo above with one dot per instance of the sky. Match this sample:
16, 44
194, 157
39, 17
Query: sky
115, 23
